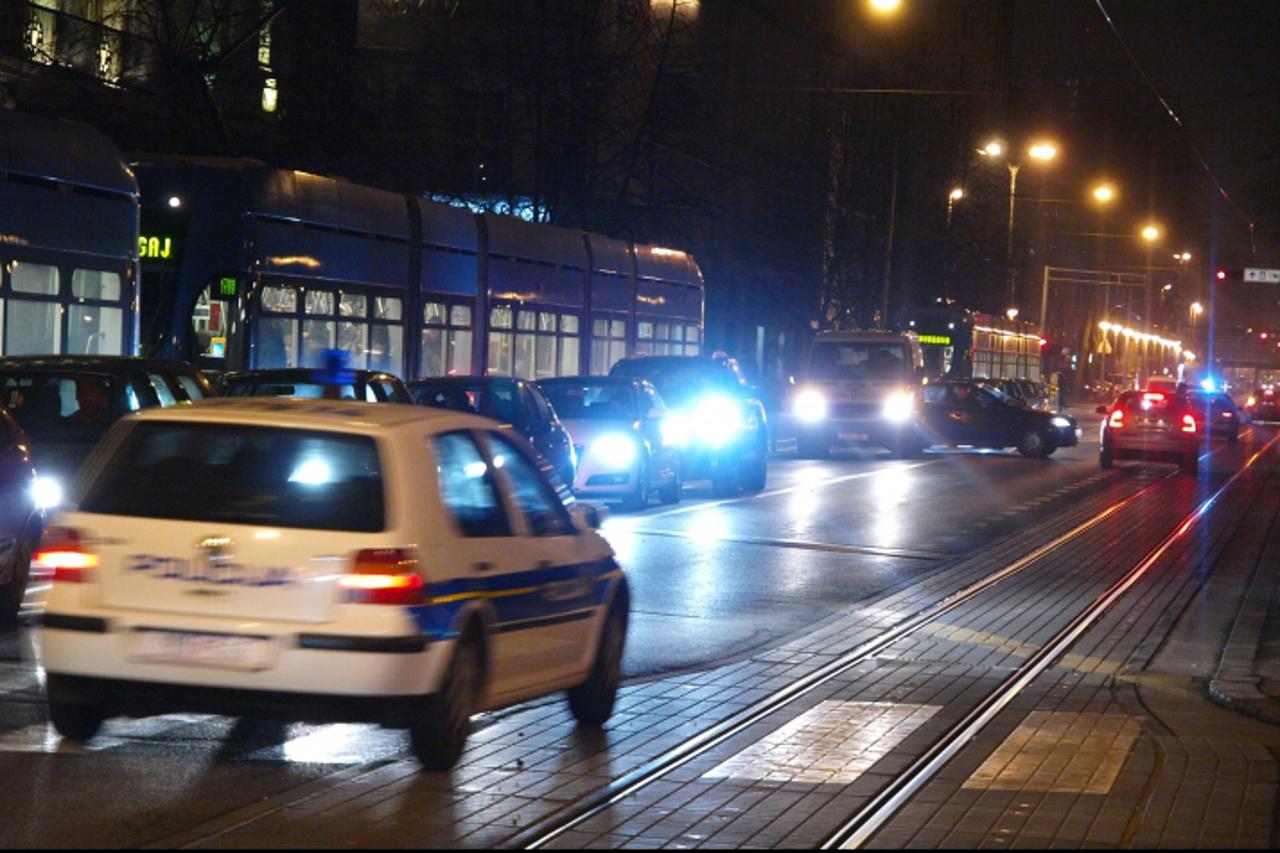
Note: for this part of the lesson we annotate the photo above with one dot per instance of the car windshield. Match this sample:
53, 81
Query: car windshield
60, 407
591, 400
1149, 402
679, 381
238, 474
497, 400
854, 360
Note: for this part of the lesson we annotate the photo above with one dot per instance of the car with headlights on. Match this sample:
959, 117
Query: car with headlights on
717, 419
1218, 412
621, 437
1263, 404
857, 388
519, 404
325, 560
964, 412
1151, 425
65, 404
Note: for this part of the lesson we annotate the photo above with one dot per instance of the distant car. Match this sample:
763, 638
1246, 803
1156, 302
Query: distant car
369, 386
514, 402
1219, 412
718, 420
1263, 404
966, 412
65, 404
326, 561
21, 518
621, 437
1153, 425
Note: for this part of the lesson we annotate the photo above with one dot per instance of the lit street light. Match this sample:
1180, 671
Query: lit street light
885, 7
1043, 151
1104, 193
1151, 233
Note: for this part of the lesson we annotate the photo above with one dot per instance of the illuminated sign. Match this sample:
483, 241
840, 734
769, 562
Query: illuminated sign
155, 247
941, 340
227, 286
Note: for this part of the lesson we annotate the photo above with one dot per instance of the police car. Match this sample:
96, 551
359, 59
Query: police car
325, 561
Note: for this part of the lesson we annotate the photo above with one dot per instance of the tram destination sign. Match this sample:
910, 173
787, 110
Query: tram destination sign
1267, 276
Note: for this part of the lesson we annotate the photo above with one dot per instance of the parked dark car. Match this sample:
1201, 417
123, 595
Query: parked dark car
966, 412
514, 402
65, 403
719, 420
21, 517
370, 386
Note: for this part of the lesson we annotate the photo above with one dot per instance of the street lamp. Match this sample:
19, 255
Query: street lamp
1104, 194
1043, 151
954, 196
885, 7
1151, 233
1012, 313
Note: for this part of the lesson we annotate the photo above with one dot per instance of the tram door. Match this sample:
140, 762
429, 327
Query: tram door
216, 327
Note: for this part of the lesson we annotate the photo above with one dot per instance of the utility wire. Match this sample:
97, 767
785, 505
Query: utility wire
1177, 121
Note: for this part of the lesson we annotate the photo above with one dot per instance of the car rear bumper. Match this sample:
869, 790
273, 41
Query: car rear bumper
1152, 446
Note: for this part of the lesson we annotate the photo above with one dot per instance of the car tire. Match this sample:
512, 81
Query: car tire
1106, 460
724, 479
591, 702
756, 472
439, 732
811, 448
639, 499
1032, 444
76, 721
12, 593
671, 492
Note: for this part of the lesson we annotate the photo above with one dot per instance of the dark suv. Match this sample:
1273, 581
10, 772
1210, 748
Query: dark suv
65, 403
718, 418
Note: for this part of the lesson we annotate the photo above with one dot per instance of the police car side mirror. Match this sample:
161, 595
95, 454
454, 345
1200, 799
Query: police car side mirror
587, 516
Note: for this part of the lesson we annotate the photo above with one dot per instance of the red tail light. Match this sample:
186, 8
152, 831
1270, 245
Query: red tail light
1116, 421
63, 552
384, 576
1188, 423
1153, 397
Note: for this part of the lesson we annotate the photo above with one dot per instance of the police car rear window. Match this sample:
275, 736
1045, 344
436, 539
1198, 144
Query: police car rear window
242, 475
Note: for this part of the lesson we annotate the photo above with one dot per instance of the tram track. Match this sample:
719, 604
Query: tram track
854, 831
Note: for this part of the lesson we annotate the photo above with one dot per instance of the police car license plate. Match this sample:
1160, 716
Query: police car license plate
220, 651
853, 436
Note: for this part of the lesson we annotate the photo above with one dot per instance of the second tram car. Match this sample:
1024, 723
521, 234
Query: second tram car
248, 266
970, 344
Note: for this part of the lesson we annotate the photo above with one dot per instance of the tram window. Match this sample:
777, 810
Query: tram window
386, 308
569, 324
32, 328
546, 321
460, 315
608, 343
446, 347
277, 342
524, 352
34, 278
354, 339
280, 299
317, 336
319, 302
526, 320
95, 284
386, 347
95, 330
544, 365
569, 355
352, 305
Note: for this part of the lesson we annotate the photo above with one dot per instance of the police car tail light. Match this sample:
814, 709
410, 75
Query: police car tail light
62, 550
384, 576
1116, 420
1188, 423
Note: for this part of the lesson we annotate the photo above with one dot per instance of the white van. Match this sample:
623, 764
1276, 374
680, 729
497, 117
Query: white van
859, 388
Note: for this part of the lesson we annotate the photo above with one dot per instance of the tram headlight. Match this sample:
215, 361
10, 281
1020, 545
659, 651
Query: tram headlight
716, 421
615, 450
899, 407
811, 405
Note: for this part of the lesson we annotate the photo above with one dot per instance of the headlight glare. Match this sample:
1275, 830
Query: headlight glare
899, 407
1061, 423
615, 450
47, 492
716, 420
811, 405
675, 429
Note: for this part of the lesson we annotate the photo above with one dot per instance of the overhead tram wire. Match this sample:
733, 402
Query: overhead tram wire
1164, 103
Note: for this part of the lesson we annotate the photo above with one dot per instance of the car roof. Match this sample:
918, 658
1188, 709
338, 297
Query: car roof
461, 380
594, 380
305, 374
327, 415
108, 364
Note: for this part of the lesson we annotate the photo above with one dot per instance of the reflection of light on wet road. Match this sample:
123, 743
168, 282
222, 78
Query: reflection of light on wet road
343, 743
709, 526
890, 489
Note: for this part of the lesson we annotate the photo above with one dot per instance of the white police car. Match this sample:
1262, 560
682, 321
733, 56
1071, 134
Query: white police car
323, 561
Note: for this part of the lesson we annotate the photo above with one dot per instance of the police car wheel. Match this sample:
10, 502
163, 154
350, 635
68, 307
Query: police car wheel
12, 593
75, 721
439, 734
591, 702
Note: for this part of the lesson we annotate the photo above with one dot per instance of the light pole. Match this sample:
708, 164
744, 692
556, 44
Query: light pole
1042, 151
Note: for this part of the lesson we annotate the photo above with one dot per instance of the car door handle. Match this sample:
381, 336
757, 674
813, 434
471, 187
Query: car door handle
482, 566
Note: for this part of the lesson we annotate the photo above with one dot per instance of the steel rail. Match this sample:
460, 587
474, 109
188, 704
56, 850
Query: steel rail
885, 803
567, 818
